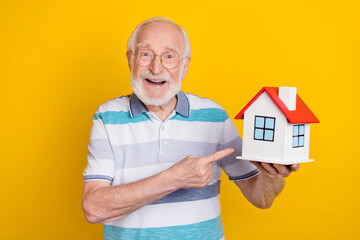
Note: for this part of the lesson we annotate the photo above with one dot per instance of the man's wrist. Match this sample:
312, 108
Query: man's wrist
167, 181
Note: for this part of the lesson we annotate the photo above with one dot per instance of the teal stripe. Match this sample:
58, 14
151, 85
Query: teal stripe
96, 116
209, 230
120, 117
204, 115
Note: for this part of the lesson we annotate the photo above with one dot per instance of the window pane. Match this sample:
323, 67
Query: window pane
301, 129
259, 122
270, 123
295, 141
259, 134
296, 130
269, 134
301, 141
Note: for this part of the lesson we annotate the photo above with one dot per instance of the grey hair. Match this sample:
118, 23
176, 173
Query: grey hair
131, 41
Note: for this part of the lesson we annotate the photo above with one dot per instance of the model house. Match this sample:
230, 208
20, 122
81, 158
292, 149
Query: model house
276, 127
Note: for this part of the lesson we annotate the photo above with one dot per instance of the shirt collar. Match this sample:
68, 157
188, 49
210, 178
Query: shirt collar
182, 105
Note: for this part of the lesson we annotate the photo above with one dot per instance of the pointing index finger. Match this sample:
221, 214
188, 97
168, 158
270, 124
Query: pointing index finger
219, 155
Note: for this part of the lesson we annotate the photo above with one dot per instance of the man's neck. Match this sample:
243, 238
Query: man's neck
163, 111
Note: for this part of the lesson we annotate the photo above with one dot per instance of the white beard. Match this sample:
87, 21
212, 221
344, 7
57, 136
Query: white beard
136, 84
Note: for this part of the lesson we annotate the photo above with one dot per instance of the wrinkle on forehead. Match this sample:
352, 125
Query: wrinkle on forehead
165, 33
147, 44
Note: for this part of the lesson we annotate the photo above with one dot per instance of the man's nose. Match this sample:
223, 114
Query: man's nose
156, 66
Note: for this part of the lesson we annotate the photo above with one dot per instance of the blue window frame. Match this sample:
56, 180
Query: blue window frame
298, 135
264, 128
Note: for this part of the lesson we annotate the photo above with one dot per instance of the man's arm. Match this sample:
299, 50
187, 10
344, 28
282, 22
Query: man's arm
262, 189
102, 202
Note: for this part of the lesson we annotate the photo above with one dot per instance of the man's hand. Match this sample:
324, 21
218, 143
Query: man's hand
194, 172
262, 189
273, 170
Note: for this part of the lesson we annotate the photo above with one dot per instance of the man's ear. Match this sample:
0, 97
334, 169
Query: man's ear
128, 56
186, 67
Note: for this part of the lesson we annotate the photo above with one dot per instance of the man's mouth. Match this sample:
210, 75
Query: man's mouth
155, 81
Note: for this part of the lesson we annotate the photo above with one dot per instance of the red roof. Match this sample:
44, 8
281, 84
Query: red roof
302, 114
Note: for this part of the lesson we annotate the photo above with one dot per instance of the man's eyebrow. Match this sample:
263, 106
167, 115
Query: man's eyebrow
173, 48
143, 44
146, 44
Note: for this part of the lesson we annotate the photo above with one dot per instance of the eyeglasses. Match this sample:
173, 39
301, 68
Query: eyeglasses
169, 60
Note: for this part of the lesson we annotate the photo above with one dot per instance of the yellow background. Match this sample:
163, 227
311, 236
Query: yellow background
61, 59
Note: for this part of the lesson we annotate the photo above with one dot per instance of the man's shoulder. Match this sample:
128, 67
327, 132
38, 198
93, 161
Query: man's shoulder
197, 102
116, 104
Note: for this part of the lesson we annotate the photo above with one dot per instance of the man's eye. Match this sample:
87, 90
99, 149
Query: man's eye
169, 56
146, 54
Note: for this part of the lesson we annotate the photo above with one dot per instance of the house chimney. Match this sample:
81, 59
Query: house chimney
288, 97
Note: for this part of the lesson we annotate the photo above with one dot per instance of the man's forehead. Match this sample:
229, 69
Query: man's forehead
146, 44
165, 34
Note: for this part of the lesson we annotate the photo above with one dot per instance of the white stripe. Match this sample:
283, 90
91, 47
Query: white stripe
171, 214
99, 167
133, 133
129, 175
148, 131
195, 131
198, 103
231, 131
116, 104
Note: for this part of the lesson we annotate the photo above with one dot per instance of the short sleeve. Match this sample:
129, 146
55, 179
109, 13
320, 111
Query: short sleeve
101, 164
236, 169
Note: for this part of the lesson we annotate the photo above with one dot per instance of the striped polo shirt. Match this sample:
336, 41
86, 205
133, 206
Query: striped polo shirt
129, 143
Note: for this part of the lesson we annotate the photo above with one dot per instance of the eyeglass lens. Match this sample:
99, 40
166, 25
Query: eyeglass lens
168, 59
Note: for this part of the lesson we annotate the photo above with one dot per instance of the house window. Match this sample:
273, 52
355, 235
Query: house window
264, 128
298, 135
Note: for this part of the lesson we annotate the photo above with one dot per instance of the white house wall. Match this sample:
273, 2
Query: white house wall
257, 149
299, 153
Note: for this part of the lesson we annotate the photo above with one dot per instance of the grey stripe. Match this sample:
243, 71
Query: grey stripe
237, 169
191, 194
101, 149
231, 159
97, 177
147, 154
245, 176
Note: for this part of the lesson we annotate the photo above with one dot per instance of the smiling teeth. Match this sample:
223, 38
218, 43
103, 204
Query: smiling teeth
156, 81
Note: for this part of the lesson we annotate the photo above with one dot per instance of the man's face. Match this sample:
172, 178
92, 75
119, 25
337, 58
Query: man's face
154, 84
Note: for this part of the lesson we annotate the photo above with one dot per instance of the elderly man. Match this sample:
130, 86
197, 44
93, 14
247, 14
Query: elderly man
155, 156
